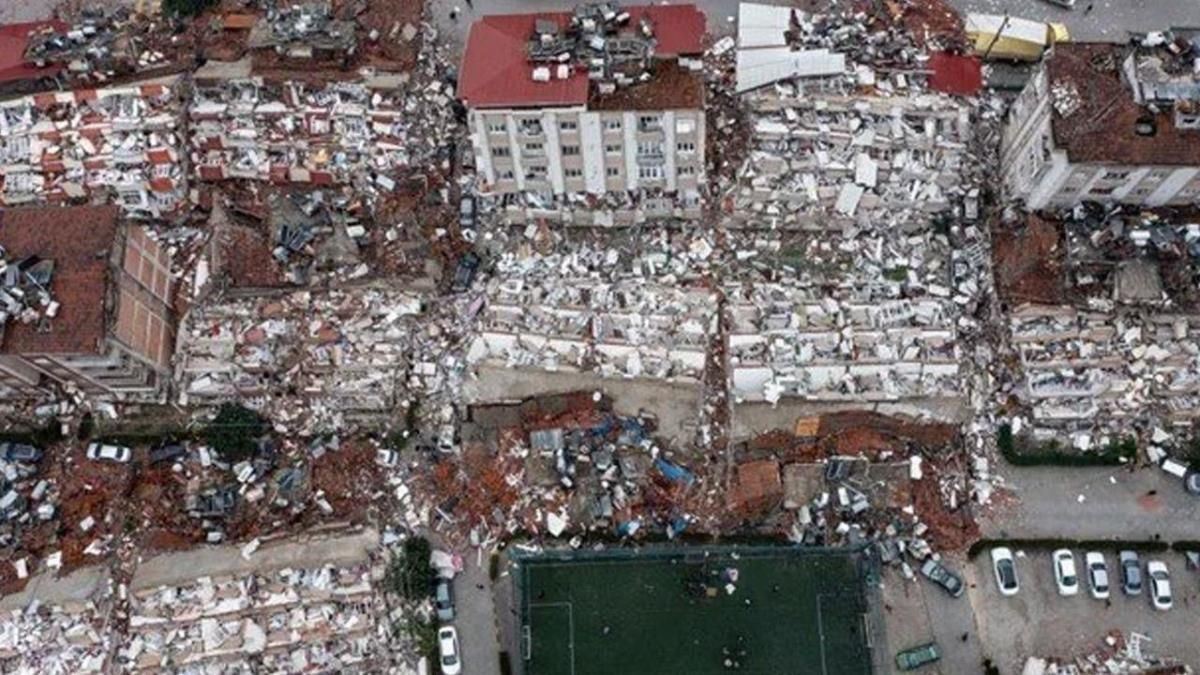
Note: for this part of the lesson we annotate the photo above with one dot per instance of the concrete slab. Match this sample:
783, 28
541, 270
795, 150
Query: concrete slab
676, 404
75, 588
215, 561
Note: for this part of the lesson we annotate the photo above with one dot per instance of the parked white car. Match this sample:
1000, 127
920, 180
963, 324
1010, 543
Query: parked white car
1160, 584
1006, 571
1097, 571
109, 453
448, 650
1065, 575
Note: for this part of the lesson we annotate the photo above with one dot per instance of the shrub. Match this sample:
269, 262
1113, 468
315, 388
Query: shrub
409, 575
234, 432
1052, 453
187, 7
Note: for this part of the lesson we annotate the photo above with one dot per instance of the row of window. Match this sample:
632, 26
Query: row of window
644, 172
533, 126
645, 148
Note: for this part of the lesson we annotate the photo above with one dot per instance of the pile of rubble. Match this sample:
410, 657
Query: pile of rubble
290, 132
1119, 656
120, 143
67, 638
599, 37
626, 329
25, 290
832, 162
1121, 354
99, 46
309, 360
288, 620
304, 31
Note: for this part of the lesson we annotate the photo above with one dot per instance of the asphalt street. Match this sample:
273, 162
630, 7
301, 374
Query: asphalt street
1094, 503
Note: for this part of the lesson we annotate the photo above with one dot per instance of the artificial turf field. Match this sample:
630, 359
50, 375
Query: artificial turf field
649, 616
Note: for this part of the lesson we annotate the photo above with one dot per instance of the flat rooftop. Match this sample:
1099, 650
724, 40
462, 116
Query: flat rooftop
1102, 127
79, 240
497, 71
670, 611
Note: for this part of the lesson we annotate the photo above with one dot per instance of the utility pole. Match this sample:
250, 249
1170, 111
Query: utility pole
1003, 25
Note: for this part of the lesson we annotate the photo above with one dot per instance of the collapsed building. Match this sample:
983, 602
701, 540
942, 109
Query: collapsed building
304, 31
291, 132
18, 75
311, 359
1108, 123
292, 619
863, 176
110, 332
602, 99
292, 605
119, 145
1120, 354
93, 46
626, 330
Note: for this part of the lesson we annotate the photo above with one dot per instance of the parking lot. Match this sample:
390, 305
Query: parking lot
1038, 621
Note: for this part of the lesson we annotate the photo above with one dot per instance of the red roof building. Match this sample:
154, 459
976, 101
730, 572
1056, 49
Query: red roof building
14, 38
113, 334
496, 71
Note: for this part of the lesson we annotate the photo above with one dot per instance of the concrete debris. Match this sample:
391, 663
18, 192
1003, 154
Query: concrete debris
291, 132
304, 31
117, 144
1121, 655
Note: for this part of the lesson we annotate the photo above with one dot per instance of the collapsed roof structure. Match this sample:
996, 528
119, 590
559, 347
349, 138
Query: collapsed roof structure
117, 144
290, 132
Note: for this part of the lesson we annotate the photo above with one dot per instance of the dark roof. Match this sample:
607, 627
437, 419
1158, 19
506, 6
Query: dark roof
78, 239
497, 73
14, 38
670, 86
1101, 129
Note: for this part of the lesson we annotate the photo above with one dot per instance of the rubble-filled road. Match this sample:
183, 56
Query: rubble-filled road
1108, 21
1094, 503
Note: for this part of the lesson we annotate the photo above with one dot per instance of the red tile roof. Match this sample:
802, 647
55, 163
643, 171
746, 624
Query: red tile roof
497, 73
78, 239
954, 74
14, 37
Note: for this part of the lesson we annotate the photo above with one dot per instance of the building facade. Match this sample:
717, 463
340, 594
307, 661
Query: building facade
586, 121
113, 334
1084, 129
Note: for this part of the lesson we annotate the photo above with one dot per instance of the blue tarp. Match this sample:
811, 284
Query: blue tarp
674, 471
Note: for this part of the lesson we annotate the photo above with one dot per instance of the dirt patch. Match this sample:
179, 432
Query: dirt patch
1028, 262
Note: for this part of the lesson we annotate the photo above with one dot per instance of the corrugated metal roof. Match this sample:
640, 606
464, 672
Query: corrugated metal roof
762, 25
759, 67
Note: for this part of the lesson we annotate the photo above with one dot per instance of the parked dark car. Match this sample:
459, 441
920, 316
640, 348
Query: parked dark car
212, 504
168, 452
942, 576
1131, 572
443, 600
464, 273
911, 659
19, 452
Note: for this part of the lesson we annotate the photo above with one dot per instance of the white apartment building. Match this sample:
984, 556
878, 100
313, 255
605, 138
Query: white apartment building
1107, 123
553, 126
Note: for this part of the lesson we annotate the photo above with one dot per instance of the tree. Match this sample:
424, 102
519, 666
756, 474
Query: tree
187, 7
234, 432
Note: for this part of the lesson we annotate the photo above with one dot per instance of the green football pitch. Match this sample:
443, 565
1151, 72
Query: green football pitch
791, 612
